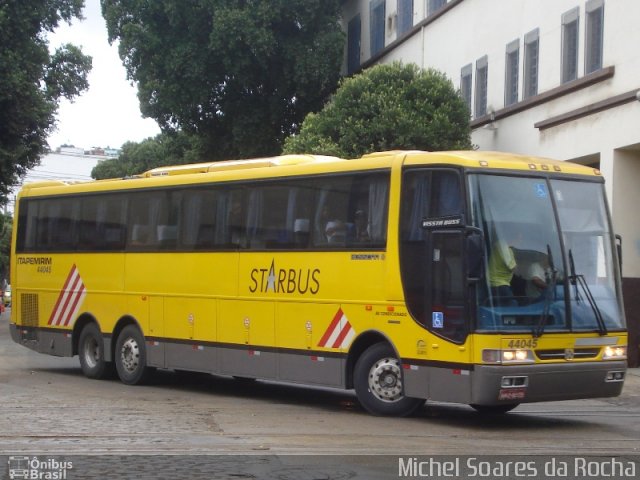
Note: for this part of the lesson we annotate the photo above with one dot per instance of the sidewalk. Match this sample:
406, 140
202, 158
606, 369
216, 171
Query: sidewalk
631, 389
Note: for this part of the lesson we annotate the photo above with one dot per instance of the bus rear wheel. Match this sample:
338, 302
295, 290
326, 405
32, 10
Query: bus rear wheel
131, 357
378, 383
91, 353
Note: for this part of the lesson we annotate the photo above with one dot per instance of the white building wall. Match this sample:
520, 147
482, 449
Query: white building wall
471, 29
625, 177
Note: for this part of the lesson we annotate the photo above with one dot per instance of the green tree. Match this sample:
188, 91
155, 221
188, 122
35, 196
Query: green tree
387, 107
6, 223
240, 74
32, 81
137, 157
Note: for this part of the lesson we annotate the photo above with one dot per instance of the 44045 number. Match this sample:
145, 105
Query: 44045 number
523, 343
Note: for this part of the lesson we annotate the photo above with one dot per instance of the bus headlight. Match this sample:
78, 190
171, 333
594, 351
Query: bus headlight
507, 356
615, 353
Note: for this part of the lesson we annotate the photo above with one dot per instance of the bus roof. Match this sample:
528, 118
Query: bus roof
313, 164
284, 160
498, 160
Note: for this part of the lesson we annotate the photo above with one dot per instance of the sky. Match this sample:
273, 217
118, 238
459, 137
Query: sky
108, 113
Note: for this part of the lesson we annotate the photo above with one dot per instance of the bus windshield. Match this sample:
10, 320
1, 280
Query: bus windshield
545, 270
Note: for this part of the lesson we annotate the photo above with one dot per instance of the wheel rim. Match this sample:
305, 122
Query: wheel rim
385, 380
130, 355
91, 352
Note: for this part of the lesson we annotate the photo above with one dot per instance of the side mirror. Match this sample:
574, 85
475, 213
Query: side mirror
619, 249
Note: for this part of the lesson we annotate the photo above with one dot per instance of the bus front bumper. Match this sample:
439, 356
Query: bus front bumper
502, 385
493, 385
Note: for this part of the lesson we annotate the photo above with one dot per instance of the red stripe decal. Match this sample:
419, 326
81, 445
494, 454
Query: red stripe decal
69, 299
343, 333
78, 296
334, 323
64, 289
72, 299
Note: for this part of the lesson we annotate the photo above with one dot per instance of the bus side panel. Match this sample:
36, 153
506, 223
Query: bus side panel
299, 328
172, 297
192, 323
246, 335
156, 347
438, 383
60, 288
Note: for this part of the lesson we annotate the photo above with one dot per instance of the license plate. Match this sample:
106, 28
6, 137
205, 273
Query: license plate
512, 393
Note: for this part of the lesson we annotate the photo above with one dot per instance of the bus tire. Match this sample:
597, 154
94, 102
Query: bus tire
131, 357
91, 353
494, 409
378, 383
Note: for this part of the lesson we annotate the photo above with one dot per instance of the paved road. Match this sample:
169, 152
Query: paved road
49, 407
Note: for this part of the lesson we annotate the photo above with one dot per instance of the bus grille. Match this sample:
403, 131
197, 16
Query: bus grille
29, 309
568, 354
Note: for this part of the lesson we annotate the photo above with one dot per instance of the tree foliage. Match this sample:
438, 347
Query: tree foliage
32, 81
241, 74
6, 223
138, 157
387, 107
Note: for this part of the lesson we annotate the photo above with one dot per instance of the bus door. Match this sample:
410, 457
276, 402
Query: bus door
434, 272
446, 286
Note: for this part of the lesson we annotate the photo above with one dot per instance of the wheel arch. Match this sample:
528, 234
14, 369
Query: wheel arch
359, 345
82, 321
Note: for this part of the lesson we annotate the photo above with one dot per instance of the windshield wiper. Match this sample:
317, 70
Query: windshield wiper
579, 280
549, 295
572, 277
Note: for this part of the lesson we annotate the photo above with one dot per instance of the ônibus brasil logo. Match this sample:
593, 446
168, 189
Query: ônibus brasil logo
38, 468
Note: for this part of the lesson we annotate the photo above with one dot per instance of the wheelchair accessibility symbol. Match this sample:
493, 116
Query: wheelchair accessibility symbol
541, 190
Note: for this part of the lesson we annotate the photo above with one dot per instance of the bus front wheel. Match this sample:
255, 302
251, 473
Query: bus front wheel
131, 356
378, 383
91, 353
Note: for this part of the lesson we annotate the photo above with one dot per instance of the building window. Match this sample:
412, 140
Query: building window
594, 36
434, 5
531, 59
465, 85
377, 25
570, 45
405, 16
354, 33
512, 67
482, 76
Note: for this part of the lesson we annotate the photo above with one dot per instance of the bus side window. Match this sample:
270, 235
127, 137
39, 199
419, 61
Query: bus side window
231, 219
330, 225
112, 222
351, 211
148, 211
167, 220
367, 221
27, 226
300, 214
266, 215
56, 225
198, 214
88, 234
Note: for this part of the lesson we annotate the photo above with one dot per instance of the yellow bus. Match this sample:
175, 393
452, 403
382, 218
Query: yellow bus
480, 278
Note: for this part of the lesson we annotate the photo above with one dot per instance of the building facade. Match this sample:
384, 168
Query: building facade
553, 78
